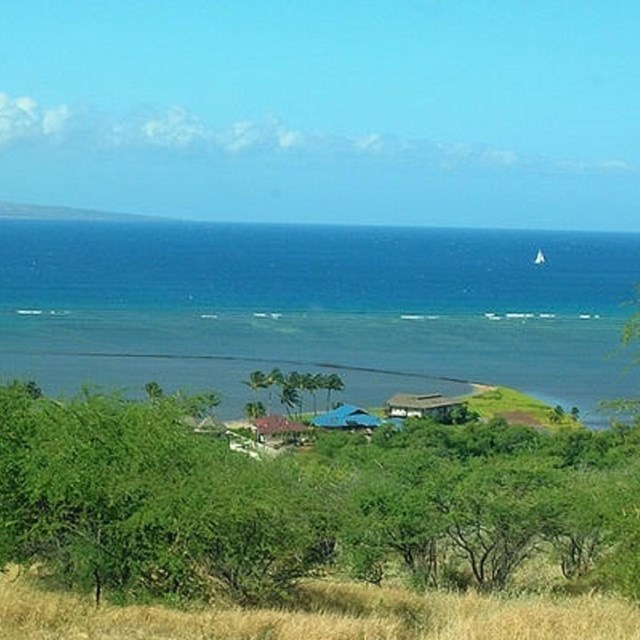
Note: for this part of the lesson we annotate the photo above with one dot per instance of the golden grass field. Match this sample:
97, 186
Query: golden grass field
327, 611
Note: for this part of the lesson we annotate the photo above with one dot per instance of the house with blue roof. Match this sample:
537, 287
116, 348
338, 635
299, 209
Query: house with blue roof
346, 416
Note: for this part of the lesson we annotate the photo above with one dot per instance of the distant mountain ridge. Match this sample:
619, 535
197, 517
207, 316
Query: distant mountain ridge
21, 211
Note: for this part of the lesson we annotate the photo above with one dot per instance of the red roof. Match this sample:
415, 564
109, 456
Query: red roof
270, 425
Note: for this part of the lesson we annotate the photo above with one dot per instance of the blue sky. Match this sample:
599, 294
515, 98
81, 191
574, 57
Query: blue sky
477, 113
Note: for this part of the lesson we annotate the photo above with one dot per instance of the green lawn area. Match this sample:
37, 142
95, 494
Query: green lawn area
518, 408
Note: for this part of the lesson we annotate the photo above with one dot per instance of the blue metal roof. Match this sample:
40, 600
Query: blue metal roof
345, 416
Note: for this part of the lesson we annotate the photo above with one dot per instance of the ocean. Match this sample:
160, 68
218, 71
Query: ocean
198, 306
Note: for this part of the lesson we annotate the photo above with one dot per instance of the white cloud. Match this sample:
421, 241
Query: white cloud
376, 144
270, 135
240, 136
22, 118
54, 121
460, 155
177, 129
289, 139
499, 157
16, 118
617, 166
174, 128
371, 143
606, 167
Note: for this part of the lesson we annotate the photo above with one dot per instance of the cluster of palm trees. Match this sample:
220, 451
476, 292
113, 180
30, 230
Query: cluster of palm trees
291, 388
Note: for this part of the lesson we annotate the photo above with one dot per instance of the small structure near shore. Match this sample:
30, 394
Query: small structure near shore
430, 405
278, 429
207, 426
346, 416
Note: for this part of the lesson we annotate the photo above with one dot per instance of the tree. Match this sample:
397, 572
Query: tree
497, 515
310, 383
289, 397
256, 381
275, 377
261, 530
198, 405
253, 410
18, 424
583, 518
557, 414
631, 329
623, 564
396, 514
153, 390
88, 470
332, 382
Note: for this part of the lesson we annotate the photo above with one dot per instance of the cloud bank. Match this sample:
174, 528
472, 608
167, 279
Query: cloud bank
176, 129
23, 119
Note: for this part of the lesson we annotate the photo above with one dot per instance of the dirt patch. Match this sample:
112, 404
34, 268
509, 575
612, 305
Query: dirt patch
520, 417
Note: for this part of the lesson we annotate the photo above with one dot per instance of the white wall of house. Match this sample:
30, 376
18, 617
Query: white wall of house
399, 412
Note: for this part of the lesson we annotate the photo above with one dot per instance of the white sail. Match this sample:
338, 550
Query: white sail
540, 259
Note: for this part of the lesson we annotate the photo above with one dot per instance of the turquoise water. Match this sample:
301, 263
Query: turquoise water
569, 360
392, 310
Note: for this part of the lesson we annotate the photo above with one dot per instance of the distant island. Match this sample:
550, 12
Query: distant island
21, 211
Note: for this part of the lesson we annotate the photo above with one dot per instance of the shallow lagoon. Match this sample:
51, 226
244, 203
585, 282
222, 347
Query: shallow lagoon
569, 360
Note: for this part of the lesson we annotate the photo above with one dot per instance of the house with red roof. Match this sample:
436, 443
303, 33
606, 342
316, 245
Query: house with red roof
278, 429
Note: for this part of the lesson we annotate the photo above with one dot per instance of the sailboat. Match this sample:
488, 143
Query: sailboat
539, 259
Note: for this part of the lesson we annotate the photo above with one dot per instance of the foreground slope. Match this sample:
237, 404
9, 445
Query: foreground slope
327, 611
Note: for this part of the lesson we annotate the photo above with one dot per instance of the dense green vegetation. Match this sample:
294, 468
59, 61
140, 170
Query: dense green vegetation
122, 498
117, 495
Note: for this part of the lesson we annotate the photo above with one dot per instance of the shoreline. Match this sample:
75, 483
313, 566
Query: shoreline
561, 361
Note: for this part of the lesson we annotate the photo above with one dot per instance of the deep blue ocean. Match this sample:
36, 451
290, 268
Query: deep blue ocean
199, 306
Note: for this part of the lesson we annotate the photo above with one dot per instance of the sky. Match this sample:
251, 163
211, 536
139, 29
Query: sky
457, 113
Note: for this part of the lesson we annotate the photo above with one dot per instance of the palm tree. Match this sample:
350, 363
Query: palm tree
332, 382
199, 405
290, 397
275, 377
311, 382
254, 410
295, 381
257, 380
318, 383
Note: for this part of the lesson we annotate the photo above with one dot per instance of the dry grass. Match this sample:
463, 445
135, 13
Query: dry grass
327, 611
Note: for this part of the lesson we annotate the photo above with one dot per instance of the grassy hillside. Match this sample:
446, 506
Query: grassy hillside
517, 408
118, 502
327, 611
